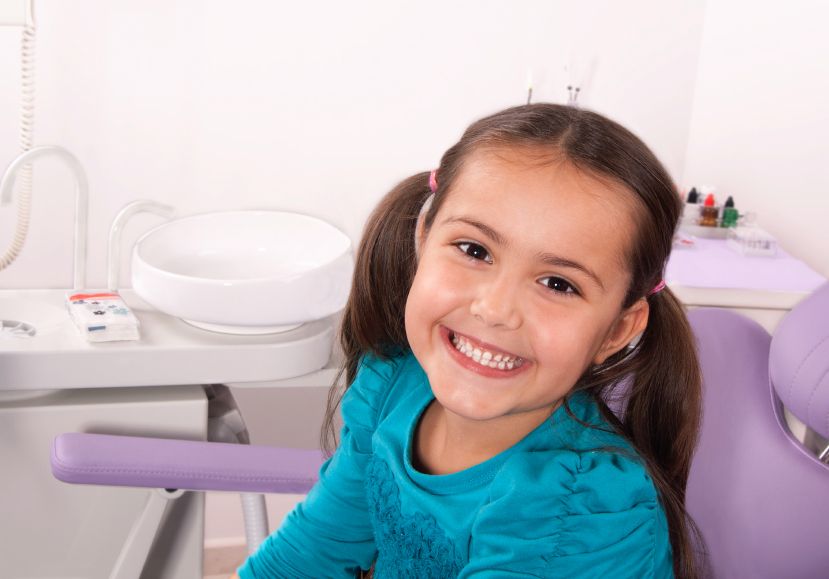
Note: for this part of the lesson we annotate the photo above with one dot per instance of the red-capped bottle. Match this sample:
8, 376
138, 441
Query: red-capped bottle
709, 212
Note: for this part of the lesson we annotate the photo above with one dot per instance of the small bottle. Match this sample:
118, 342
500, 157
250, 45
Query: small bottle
690, 210
692, 195
709, 212
729, 214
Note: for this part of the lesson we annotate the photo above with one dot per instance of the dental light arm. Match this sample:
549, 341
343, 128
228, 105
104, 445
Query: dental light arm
81, 200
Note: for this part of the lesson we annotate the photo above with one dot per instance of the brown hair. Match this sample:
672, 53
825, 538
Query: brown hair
656, 383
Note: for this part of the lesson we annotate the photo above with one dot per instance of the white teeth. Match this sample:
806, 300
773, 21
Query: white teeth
483, 357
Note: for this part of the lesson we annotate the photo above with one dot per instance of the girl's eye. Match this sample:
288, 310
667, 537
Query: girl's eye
475, 251
558, 284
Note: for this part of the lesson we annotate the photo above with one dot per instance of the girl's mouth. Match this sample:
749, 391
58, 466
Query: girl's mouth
486, 359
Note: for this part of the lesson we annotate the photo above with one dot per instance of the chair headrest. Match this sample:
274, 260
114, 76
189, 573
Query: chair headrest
799, 361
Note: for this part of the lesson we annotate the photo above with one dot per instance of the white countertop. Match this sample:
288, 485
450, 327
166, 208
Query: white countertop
712, 274
170, 351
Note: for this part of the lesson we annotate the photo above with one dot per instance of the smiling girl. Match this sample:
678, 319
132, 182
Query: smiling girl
489, 332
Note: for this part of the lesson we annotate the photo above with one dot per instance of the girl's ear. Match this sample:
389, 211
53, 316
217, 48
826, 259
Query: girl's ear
632, 322
420, 238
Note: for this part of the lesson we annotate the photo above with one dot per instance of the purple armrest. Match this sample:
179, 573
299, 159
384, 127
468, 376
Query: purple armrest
100, 459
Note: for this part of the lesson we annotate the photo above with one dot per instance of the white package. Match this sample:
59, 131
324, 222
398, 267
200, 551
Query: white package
102, 317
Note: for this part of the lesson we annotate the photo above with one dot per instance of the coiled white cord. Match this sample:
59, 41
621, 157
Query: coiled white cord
27, 126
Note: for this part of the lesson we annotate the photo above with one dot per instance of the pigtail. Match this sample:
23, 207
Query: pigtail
664, 403
374, 316
662, 417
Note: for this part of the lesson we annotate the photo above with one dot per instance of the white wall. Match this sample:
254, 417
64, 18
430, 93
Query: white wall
761, 118
319, 108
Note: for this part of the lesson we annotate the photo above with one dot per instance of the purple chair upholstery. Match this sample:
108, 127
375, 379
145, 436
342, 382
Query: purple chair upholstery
759, 498
799, 361
182, 464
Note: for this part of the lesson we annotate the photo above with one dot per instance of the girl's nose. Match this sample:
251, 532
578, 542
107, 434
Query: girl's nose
495, 304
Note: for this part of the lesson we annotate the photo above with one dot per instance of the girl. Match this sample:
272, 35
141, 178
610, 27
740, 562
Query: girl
492, 318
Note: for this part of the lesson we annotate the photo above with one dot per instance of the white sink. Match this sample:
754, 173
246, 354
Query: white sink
245, 272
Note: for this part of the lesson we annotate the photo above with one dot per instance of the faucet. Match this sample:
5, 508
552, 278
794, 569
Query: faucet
115, 235
81, 197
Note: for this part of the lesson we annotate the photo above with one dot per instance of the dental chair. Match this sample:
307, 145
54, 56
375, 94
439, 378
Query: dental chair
171, 467
760, 499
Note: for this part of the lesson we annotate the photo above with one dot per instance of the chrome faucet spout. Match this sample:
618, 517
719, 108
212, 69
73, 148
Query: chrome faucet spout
81, 199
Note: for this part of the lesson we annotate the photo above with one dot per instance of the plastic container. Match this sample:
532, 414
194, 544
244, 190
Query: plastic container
751, 241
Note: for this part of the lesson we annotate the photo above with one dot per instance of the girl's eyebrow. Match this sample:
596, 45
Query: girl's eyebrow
546, 258
485, 229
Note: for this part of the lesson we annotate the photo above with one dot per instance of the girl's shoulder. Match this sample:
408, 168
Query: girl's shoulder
580, 455
575, 514
379, 385
578, 481
586, 495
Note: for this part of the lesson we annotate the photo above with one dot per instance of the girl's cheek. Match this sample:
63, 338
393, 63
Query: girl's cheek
439, 282
560, 335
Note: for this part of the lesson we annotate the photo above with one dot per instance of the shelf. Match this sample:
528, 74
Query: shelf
170, 351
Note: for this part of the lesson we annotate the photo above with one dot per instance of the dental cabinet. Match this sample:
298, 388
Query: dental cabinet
58, 382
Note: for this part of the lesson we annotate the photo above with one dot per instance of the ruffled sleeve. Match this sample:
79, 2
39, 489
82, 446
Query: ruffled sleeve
330, 534
570, 514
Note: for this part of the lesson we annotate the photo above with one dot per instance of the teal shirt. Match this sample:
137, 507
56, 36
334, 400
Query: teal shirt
550, 506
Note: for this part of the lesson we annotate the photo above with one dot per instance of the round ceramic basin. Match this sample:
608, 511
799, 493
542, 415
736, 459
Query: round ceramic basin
250, 272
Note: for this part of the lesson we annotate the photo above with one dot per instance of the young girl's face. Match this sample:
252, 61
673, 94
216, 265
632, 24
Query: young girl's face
524, 268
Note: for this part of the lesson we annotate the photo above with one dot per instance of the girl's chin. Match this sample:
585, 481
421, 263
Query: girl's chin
476, 413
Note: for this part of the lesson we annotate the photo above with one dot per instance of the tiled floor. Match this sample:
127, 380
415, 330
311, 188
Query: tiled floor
222, 562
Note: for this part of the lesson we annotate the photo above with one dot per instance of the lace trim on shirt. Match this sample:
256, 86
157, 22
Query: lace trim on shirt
409, 546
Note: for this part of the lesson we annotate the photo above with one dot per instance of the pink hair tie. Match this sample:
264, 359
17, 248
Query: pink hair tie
433, 182
659, 287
